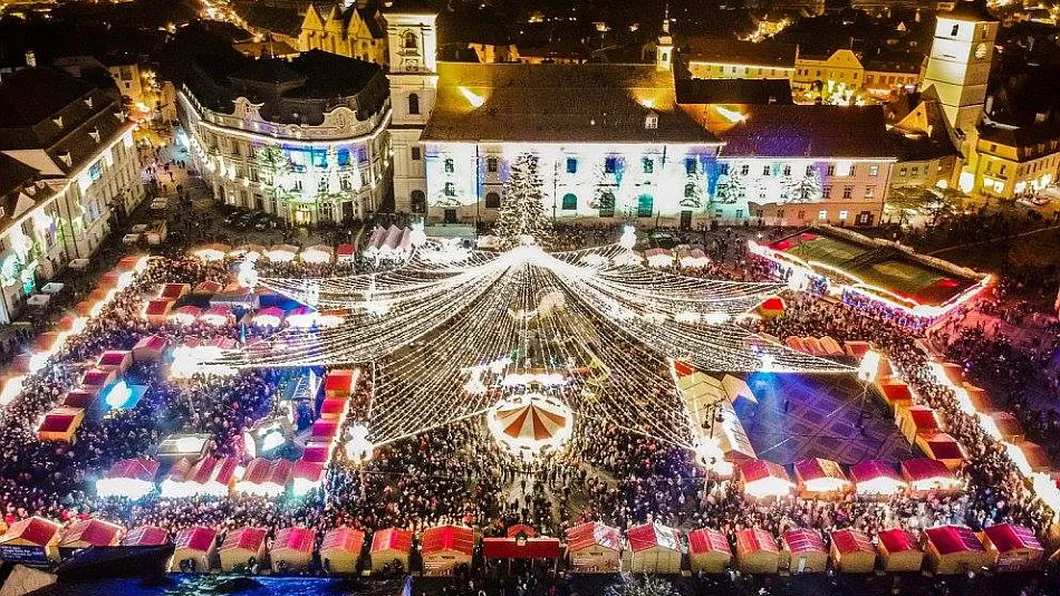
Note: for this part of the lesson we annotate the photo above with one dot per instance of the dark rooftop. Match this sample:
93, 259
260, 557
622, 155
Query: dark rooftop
775, 130
32, 95
970, 10
733, 91
14, 175
730, 51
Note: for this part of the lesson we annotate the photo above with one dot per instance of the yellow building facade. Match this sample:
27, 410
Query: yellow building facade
355, 33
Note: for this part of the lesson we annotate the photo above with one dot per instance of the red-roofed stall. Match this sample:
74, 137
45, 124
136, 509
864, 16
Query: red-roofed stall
130, 478
916, 420
240, 547
305, 476
265, 477
708, 551
943, 447
31, 541
593, 547
333, 408
926, 475
88, 532
852, 551
899, 551
78, 398
145, 536
954, 549
756, 551
174, 291
654, 548
292, 549
527, 546
803, 551
196, 546
61, 424
117, 361
1013, 548
444, 548
94, 380
157, 311
895, 392
390, 548
818, 478
876, 478
763, 479
339, 383
150, 348
340, 551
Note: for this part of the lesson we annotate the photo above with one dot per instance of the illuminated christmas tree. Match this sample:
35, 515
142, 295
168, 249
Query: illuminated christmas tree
522, 213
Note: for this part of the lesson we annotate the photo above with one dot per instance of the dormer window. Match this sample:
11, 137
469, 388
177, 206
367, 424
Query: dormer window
94, 133
651, 121
88, 101
58, 121
66, 159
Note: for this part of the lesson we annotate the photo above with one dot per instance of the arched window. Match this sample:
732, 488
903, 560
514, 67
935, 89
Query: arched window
645, 205
493, 200
570, 202
414, 104
419, 202
690, 190
607, 205
410, 40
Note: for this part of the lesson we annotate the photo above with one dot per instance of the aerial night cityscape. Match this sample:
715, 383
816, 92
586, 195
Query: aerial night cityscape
530, 297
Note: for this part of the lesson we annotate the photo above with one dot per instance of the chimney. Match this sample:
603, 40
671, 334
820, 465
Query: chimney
31, 59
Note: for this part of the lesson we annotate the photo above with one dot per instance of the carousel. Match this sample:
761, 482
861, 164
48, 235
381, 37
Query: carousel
530, 424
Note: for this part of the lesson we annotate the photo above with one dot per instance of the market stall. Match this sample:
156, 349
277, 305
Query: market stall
95, 379
593, 547
129, 478
803, 551
917, 420
876, 478
943, 447
150, 349
242, 547
339, 383
340, 551
305, 476
157, 311
852, 551
1013, 548
708, 551
899, 551
925, 475
1001, 426
1029, 457
31, 541
895, 392
390, 549
756, 551
292, 550
445, 548
117, 361
954, 549
185, 315
763, 479
174, 292
265, 477
85, 533
145, 536
192, 549
818, 478
61, 424
655, 548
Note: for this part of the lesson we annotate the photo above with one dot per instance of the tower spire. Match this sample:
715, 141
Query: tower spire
666, 19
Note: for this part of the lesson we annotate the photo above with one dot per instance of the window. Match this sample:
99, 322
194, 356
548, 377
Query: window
809, 170
874, 170
572, 165
745, 170
645, 206
607, 205
848, 192
822, 215
739, 213
343, 157
649, 165
419, 202
1001, 172
765, 170
801, 215
690, 166
491, 164
831, 169
690, 191
853, 170
903, 171
344, 183
322, 185
96, 171
843, 215
414, 104
570, 202
410, 40
826, 191
787, 170
870, 192
450, 167
651, 121
493, 200
450, 189
993, 147
416, 154
953, 31
610, 165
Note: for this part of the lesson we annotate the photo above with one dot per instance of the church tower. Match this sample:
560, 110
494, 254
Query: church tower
958, 68
664, 47
412, 44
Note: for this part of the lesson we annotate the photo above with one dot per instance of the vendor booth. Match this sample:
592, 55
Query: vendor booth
242, 547
917, 420
305, 476
88, 532
763, 479
1001, 426
157, 311
954, 549
145, 536
445, 548
265, 477
876, 478
129, 478
708, 551
803, 551
94, 380
926, 475
292, 550
756, 551
116, 361
593, 547
339, 383
61, 424
192, 549
852, 551
943, 447
521, 547
174, 291
655, 548
895, 393
32, 541
390, 549
1029, 457
150, 349
899, 551
340, 551
1013, 548
818, 478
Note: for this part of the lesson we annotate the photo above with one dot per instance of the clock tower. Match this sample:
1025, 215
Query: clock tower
413, 51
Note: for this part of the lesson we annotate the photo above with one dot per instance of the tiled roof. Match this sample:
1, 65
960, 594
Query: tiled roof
733, 91
34, 94
774, 130
744, 53
601, 103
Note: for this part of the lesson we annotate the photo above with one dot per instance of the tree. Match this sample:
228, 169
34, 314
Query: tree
522, 212
275, 169
730, 189
802, 189
934, 203
692, 193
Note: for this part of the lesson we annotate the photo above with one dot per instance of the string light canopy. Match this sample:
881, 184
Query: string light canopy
451, 332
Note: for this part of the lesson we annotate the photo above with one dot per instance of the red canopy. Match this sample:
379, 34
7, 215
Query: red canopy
923, 468
754, 540
871, 470
392, 539
324, 430
307, 470
173, 291
954, 539
343, 538
591, 534
816, 468
296, 539
849, 540
897, 540
112, 358
200, 539
705, 540
92, 531
138, 468
943, 446
158, 307
78, 398
803, 540
339, 381
646, 536
262, 471
1008, 537
513, 548
895, 390
59, 420
344, 250
95, 378
448, 538
145, 536
36, 530
759, 469
244, 539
